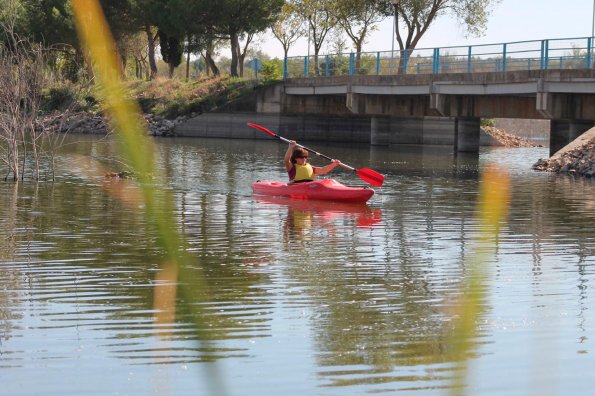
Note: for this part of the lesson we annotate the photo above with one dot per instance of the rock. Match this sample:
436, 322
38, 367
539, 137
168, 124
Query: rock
576, 158
507, 139
91, 123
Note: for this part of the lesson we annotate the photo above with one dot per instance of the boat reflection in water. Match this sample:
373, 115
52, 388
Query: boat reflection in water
303, 215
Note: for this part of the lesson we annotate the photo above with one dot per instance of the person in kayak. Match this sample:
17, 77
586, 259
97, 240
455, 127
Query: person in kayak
298, 168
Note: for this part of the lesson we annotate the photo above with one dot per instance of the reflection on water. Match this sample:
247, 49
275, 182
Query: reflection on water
303, 297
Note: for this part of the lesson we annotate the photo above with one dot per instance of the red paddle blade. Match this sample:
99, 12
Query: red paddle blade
370, 176
260, 127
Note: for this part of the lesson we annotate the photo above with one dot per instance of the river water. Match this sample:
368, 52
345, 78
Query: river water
288, 297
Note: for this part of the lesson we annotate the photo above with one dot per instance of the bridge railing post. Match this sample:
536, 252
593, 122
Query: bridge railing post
378, 63
405, 61
305, 66
285, 68
545, 54
542, 55
436, 61
504, 57
326, 65
469, 63
589, 49
351, 64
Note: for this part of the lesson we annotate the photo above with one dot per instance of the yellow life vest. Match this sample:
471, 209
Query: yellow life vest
303, 172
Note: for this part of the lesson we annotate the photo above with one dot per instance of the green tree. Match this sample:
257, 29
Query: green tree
357, 18
238, 19
171, 51
288, 27
418, 15
321, 18
50, 22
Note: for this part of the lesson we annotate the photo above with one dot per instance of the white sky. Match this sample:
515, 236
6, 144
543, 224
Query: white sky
511, 20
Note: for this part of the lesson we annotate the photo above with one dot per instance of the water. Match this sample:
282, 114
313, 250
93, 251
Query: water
303, 298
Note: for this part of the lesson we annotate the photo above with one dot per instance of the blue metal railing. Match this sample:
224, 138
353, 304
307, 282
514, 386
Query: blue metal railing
566, 53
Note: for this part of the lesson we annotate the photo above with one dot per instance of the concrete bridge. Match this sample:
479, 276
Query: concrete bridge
450, 106
441, 109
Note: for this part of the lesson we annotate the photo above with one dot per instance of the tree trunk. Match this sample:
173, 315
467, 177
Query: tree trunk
210, 62
241, 63
172, 68
235, 49
242, 53
188, 63
151, 49
207, 66
358, 58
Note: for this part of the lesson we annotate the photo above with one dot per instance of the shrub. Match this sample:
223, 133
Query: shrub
488, 122
66, 96
272, 70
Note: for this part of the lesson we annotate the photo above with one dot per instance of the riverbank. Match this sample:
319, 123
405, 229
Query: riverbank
164, 103
577, 158
94, 123
507, 139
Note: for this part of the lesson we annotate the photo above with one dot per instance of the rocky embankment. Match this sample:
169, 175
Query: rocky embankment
576, 158
91, 123
506, 139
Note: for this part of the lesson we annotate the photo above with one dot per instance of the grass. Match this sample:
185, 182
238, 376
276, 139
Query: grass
171, 98
168, 98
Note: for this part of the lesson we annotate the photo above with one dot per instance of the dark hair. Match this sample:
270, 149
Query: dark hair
298, 153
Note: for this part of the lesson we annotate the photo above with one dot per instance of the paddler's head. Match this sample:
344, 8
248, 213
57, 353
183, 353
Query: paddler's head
299, 156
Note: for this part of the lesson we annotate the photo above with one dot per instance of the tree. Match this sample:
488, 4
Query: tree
321, 18
357, 18
145, 12
50, 22
208, 53
234, 19
175, 21
288, 27
171, 51
134, 46
418, 15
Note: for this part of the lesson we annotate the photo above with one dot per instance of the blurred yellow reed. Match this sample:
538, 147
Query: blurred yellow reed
125, 117
492, 210
137, 149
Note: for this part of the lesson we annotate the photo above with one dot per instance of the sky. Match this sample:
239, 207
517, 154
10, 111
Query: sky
511, 20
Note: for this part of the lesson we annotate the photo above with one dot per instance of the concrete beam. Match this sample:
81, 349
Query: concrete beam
524, 88
317, 90
391, 89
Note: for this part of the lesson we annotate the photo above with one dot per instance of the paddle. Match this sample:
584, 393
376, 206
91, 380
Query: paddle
367, 175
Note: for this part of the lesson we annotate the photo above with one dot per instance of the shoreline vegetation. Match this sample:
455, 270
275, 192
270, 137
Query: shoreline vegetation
165, 103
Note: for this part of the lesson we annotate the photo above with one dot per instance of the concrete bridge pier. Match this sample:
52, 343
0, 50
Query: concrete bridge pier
380, 131
386, 131
563, 132
407, 131
467, 133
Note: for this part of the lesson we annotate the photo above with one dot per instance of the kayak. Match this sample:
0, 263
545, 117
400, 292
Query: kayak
324, 189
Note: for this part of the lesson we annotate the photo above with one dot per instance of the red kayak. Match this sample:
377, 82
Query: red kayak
325, 189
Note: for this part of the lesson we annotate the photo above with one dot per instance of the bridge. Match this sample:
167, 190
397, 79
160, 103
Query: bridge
432, 96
